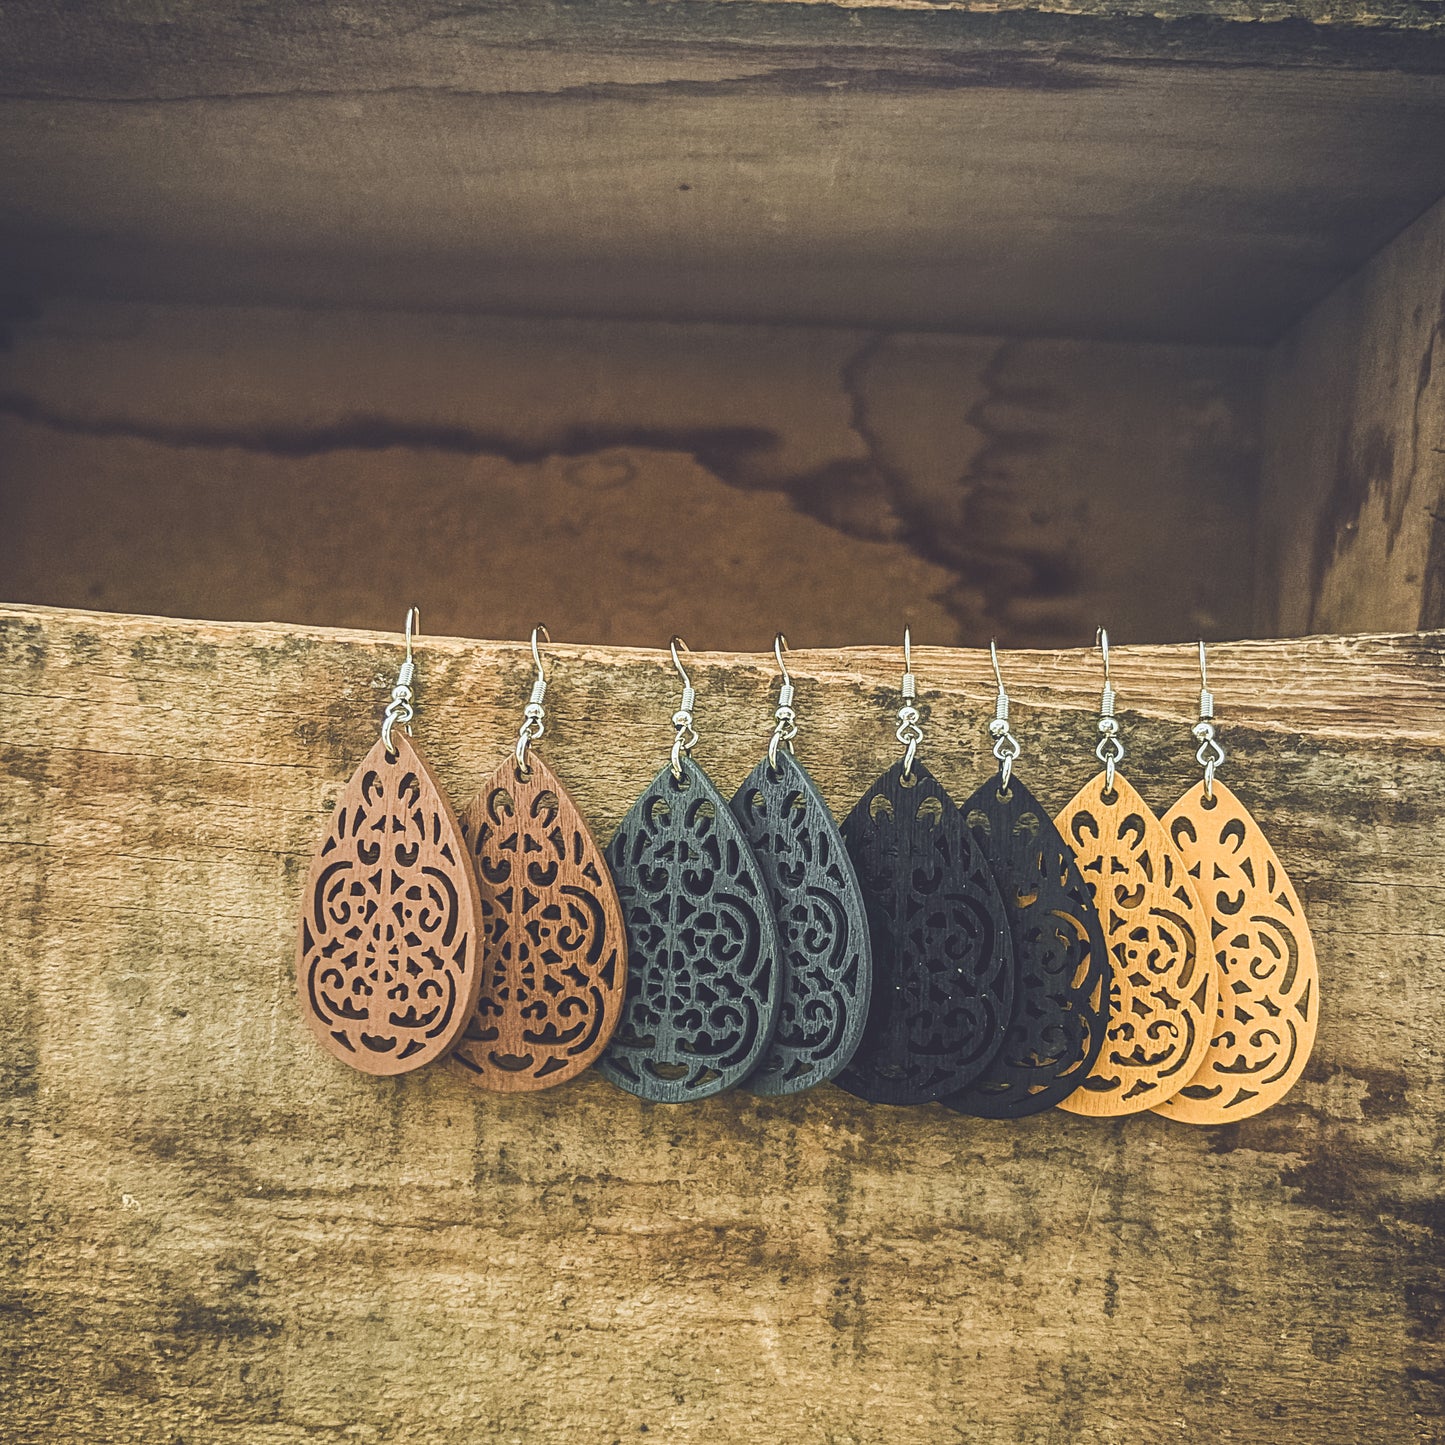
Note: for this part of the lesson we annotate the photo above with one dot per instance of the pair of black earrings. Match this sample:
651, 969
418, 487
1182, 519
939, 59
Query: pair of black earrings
991, 976
924, 952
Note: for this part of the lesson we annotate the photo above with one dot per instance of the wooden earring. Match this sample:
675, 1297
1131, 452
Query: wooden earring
826, 957
1268, 975
705, 964
386, 962
1164, 984
1061, 964
942, 954
554, 950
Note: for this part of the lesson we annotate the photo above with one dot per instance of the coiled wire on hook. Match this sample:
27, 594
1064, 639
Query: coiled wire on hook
534, 715
1006, 746
785, 727
686, 737
401, 709
909, 733
1211, 751
1110, 751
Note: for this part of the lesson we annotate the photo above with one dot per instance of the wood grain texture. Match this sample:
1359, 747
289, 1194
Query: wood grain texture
388, 946
1164, 984
1269, 983
717, 481
1351, 536
213, 1232
554, 949
1204, 177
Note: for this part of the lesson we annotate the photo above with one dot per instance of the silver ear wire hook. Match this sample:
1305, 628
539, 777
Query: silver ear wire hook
785, 719
1211, 753
686, 739
909, 733
1110, 751
400, 709
534, 714
1006, 746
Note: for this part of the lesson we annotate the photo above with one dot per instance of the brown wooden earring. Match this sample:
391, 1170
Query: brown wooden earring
1164, 989
1268, 976
387, 958
554, 947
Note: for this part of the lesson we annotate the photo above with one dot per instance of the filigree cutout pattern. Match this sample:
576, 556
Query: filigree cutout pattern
554, 950
704, 973
827, 959
1061, 968
942, 956
1164, 985
386, 961
1268, 977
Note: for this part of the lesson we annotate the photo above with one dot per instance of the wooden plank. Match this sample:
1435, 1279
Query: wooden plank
1194, 179
1352, 507
643, 478
212, 1232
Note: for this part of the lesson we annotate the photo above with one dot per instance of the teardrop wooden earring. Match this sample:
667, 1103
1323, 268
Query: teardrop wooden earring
942, 956
1165, 987
826, 956
554, 951
1268, 977
705, 968
386, 964
1061, 965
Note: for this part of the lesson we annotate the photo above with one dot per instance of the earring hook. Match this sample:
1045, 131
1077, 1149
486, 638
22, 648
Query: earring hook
785, 719
400, 709
534, 714
1110, 751
1211, 753
780, 646
1005, 746
674, 644
686, 738
909, 733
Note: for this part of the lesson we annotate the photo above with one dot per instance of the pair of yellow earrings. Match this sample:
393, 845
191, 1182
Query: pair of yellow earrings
1215, 983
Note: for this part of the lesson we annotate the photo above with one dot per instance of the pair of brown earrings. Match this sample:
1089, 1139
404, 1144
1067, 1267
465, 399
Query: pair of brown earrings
1215, 985
496, 938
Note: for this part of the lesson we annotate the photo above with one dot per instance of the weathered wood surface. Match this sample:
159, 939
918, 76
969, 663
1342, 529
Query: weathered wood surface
643, 478
1201, 177
214, 1233
1352, 504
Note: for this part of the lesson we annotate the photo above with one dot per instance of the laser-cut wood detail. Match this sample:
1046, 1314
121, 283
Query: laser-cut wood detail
1061, 963
942, 955
554, 949
827, 958
1165, 988
704, 972
1269, 988
386, 964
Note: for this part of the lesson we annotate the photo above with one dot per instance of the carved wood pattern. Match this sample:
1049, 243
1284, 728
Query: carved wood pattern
554, 949
818, 906
942, 955
386, 963
1061, 963
704, 971
1268, 975
1164, 985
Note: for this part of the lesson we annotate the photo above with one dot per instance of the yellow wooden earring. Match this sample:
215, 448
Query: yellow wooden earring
1269, 978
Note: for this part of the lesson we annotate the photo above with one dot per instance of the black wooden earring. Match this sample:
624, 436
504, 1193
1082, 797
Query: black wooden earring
1061, 969
826, 956
942, 955
704, 961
